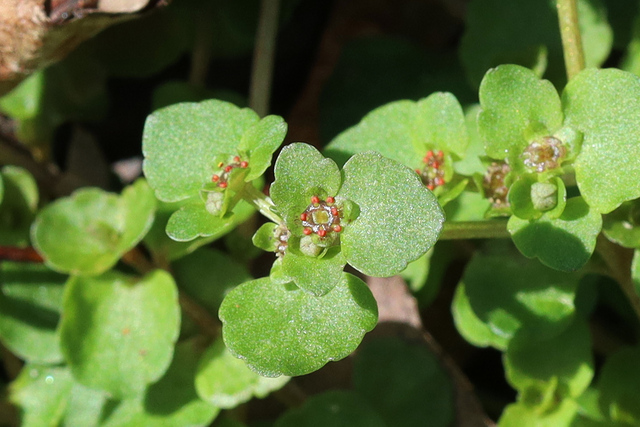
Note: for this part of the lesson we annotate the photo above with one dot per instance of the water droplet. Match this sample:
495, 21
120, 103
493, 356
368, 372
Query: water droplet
48, 379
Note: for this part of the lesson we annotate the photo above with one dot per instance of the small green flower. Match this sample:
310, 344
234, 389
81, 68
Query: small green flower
205, 154
375, 214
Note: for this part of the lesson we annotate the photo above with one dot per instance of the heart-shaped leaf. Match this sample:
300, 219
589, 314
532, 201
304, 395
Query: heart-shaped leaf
125, 352
283, 330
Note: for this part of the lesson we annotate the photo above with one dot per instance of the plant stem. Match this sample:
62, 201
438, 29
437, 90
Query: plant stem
492, 229
618, 261
262, 71
261, 202
571, 38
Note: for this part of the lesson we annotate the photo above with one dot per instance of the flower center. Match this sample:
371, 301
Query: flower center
544, 154
222, 178
321, 217
493, 184
432, 174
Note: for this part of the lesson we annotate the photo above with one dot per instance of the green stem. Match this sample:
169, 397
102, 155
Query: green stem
263, 54
571, 38
492, 229
261, 202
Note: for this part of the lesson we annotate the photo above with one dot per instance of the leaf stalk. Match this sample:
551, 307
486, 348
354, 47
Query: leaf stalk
571, 38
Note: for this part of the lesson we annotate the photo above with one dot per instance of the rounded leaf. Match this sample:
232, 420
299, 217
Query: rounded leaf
18, 204
180, 143
605, 106
565, 359
517, 107
622, 226
282, 330
118, 332
225, 381
399, 218
565, 243
513, 293
301, 172
87, 232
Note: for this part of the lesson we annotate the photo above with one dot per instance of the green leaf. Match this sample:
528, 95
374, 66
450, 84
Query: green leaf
84, 407
509, 293
605, 106
42, 394
565, 243
207, 275
192, 221
439, 124
170, 402
472, 329
404, 131
517, 107
315, 275
521, 415
527, 33
30, 306
18, 203
336, 408
564, 360
261, 141
87, 232
622, 226
300, 173
310, 331
118, 332
399, 218
180, 144
225, 381
162, 246
618, 385
405, 383
530, 198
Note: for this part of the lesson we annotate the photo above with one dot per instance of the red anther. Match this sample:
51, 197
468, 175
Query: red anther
331, 200
418, 171
337, 228
322, 232
215, 178
435, 164
431, 186
438, 181
334, 211
236, 159
315, 200
223, 185
244, 164
307, 231
440, 154
228, 168
429, 154
303, 217
221, 164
